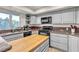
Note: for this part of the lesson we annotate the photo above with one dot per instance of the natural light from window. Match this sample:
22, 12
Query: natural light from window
8, 21
4, 21
15, 21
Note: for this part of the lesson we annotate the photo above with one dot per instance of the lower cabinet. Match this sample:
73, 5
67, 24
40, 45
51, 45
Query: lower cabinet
13, 37
65, 42
59, 41
59, 45
73, 44
44, 47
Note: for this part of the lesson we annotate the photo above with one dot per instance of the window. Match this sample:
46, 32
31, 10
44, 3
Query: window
8, 21
4, 21
15, 21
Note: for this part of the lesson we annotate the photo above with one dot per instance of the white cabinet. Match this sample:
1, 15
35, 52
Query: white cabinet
59, 41
43, 47
77, 15
73, 44
59, 45
65, 42
68, 16
33, 20
13, 37
56, 19
38, 20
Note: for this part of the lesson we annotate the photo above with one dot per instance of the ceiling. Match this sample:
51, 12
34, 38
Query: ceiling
34, 9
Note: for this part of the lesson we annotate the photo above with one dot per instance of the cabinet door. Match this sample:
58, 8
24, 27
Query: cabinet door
44, 47
59, 45
68, 16
77, 16
13, 37
56, 19
20, 35
73, 42
10, 38
38, 20
33, 20
59, 39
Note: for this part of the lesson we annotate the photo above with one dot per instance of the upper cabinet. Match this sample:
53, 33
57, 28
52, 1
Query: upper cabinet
56, 19
64, 17
38, 20
33, 20
68, 16
77, 15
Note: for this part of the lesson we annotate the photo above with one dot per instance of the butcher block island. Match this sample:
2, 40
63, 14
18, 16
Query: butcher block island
32, 43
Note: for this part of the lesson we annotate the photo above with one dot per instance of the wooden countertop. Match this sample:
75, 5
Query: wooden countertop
27, 44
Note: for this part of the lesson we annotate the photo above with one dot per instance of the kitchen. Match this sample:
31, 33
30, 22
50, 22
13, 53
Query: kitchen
55, 28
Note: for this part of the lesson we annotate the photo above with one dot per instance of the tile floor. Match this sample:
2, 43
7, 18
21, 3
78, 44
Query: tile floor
54, 50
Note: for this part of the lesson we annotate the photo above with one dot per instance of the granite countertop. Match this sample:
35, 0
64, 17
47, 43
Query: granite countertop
76, 35
66, 33
56, 32
59, 32
12, 33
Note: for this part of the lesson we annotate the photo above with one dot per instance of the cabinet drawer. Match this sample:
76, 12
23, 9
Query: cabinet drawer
73, 44
60, 35
42, 47
59, 39
60, 46
20, 34
13, 37
46, 48
8, 37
